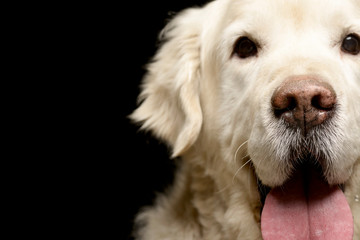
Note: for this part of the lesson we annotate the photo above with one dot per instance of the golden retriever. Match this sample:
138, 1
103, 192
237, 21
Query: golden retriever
261, 100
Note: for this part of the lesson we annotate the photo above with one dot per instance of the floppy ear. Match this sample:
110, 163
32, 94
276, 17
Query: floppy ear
170, 105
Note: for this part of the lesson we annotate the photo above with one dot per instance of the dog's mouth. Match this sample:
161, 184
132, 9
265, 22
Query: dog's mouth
305, 207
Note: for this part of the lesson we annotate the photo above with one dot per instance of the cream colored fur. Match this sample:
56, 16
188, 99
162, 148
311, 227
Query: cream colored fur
214, 110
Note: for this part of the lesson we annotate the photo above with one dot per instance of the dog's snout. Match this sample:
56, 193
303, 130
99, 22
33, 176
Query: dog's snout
304, 102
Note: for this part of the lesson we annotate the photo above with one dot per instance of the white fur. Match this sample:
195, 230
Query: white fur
214, 110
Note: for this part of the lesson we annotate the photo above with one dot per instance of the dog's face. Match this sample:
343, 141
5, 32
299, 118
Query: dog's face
277, 82
289, 85
270, 82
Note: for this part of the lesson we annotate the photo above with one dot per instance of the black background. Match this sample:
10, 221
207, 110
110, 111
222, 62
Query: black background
148, 169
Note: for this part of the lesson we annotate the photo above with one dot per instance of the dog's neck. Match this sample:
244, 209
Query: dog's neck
211, 198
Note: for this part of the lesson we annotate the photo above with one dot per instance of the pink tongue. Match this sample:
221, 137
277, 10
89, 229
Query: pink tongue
297, 211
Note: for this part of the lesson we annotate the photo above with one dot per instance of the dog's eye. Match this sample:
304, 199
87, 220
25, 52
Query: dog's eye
244, 48
351, 44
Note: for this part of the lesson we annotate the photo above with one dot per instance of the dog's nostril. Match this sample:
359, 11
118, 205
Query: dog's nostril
323, 101
303, 103
282, 105
315, 102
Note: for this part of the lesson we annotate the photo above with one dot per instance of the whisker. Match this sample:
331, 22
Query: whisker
240, 169
237, 150
248, 161
235, 157
220, 191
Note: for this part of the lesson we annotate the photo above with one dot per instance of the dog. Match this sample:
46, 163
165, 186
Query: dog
260, 100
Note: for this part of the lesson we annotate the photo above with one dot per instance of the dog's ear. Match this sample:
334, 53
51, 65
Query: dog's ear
170, 105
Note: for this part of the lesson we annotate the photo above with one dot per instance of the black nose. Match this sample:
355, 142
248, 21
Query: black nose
304, 102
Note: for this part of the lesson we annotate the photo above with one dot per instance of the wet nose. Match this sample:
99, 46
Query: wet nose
304, 102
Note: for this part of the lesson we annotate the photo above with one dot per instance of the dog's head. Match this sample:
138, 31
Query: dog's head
272, 83
279, 86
